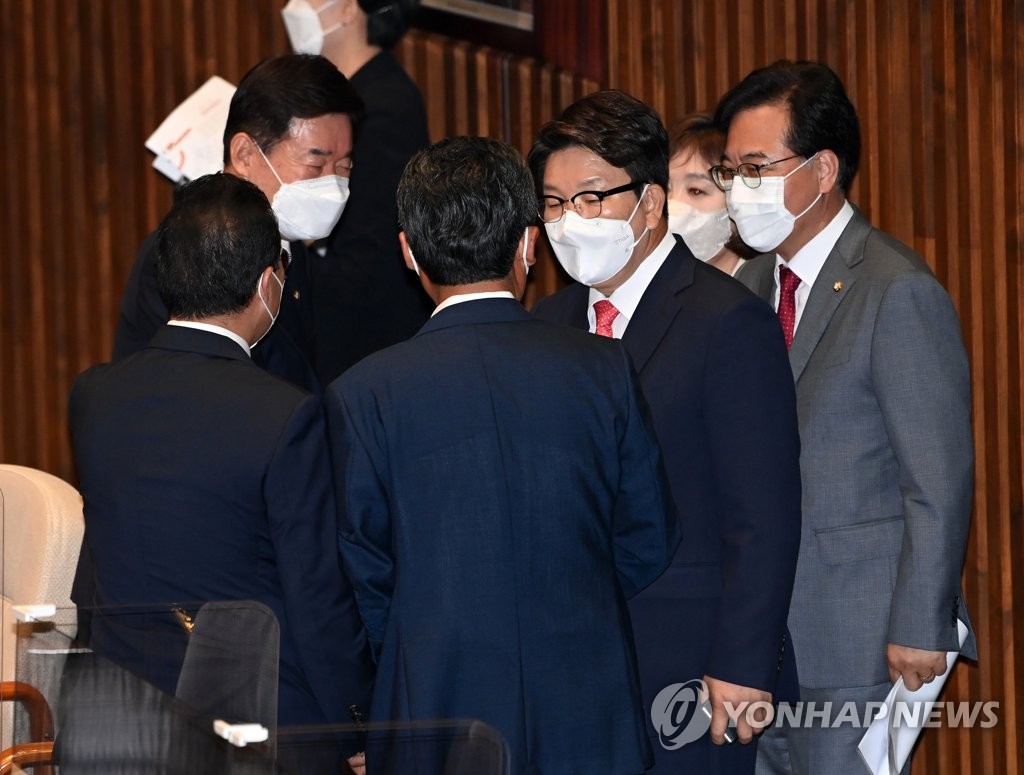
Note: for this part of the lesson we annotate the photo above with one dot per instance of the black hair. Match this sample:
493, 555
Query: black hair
621, 129
214, 244
278, 90
821, 116
387, 20
464, 204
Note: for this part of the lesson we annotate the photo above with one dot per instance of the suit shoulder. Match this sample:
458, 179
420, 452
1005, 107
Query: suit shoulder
711, 280
756, 268
884, 255
558, 305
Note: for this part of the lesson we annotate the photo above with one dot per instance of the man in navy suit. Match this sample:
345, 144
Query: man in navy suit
206, 478
290, 131
499, 489
713, 368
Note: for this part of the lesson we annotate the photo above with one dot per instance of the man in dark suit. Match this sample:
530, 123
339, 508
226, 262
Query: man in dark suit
884, 401
500, 490
204, 477
365, 298
712, 365
289, 131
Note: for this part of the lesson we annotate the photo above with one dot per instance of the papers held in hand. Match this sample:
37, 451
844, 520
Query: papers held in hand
190, 141
890, 738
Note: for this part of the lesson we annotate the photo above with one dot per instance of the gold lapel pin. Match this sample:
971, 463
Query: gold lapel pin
837, 286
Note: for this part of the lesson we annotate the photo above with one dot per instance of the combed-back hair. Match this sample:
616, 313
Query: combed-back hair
287, 87
621, 129
821, 116
464, 203
214, 244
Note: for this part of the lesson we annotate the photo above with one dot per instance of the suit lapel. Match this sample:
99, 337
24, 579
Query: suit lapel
834, 282
658, 307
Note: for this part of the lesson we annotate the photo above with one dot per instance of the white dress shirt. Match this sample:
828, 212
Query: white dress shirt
809, 260
458, 298
626, 298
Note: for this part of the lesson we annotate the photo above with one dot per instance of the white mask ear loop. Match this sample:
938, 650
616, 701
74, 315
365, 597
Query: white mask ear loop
630, 218
526, 243
268, 162
273, 317
415, 266
335, 26
259, 292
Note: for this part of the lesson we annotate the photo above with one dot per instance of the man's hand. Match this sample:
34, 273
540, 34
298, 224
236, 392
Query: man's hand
357, 763
740, 697
917, 666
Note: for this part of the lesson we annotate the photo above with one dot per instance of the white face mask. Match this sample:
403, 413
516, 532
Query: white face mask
704, 232
273, 317
303, 25
760, 213
308, 209
593, 250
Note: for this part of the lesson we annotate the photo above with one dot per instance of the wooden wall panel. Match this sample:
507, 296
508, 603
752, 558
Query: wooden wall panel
938, 84
938, 87
476, 90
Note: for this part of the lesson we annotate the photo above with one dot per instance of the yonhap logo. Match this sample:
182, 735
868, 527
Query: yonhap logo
677, 715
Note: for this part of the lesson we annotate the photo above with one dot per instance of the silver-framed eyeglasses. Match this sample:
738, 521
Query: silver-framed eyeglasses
587, 204
749, 173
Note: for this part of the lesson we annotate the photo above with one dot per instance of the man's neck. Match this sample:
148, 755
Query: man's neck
647, 245
811, 224
348, 54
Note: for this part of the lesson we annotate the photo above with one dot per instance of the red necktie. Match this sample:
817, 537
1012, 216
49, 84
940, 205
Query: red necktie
788, 282
606, 313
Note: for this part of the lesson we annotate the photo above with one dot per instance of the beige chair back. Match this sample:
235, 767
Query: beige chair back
41, 527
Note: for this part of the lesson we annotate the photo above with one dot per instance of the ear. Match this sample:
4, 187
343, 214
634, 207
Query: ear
348, 11
243, 155
264, 285
828, 170
653, 205
406, 253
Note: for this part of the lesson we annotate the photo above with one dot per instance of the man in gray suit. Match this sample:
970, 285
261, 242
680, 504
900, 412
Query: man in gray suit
884, 405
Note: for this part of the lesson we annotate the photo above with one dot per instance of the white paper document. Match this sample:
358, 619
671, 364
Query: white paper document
190, 142
890, 738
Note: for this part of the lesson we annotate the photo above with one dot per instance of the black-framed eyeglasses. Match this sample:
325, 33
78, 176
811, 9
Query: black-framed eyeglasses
286, 260
749, 173
587, 204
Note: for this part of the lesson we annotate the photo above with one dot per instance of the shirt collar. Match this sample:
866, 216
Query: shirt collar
626, 298
459, 298
213, 330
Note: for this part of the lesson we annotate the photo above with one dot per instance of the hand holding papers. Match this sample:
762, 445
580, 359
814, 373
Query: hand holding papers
887, 744
189, 143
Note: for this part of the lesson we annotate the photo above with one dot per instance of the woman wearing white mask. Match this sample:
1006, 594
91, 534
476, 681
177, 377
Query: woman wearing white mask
696, 206
363, 287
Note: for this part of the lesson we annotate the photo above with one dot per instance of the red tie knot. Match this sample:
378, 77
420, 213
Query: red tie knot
606, 313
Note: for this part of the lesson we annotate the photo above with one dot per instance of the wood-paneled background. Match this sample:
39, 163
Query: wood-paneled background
938, 85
